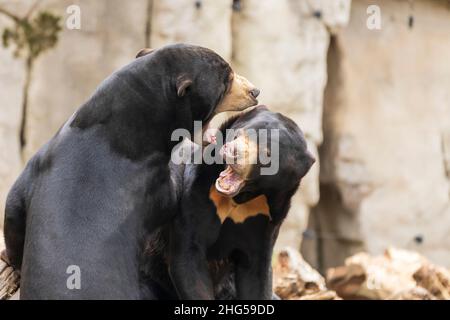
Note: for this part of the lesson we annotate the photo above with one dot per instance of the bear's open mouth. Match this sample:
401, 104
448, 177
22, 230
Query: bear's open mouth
229, 182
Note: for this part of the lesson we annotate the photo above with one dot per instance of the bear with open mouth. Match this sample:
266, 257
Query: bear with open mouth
230, 214
86, 200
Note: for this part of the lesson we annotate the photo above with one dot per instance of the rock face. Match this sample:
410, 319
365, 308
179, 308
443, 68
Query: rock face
206, 23
384, 163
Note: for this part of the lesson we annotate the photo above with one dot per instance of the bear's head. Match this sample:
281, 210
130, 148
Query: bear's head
265, 152
201, 78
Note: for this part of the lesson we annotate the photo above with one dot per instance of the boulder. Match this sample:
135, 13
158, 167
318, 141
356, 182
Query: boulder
397, 274
295, 279
203, 22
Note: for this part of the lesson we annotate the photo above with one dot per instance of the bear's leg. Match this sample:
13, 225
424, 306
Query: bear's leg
187, 262
254, 277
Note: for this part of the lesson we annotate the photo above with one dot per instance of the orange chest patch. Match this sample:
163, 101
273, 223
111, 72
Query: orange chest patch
227, 208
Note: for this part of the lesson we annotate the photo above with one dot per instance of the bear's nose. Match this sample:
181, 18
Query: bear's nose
255, 92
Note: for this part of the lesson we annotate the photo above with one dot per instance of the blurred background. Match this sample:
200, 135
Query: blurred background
368, 85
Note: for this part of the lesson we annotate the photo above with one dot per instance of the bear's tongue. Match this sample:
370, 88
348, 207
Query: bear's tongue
229, 182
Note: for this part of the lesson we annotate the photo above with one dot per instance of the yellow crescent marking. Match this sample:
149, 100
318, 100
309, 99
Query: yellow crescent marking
227, 208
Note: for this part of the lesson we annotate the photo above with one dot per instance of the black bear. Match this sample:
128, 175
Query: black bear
220, 244
76, 217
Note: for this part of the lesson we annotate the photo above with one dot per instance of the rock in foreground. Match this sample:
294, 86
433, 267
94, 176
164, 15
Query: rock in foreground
295, 279
397, 274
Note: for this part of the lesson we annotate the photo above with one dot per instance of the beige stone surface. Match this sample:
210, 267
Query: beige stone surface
285, 57
384, 162
207, 24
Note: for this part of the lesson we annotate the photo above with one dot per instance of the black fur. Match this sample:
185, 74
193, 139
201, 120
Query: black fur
89, 196
197, 257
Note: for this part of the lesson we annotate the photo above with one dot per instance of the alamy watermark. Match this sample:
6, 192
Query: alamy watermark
73, 21
373, 22
73, 281
255, 147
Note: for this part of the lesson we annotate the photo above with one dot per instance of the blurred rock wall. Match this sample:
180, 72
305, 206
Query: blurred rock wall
384, 163
382, 168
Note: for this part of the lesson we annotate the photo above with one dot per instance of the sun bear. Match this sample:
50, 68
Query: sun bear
91, 194
220, 244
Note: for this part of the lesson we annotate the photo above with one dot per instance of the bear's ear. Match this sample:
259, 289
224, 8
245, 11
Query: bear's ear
183, 83
144, 52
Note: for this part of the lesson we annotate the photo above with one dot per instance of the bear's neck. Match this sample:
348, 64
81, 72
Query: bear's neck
135, 118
